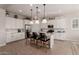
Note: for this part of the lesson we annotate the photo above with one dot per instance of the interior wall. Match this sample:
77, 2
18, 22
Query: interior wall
72, 34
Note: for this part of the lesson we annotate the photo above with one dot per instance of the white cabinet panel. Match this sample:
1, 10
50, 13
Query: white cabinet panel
26, 21
9, 37
59, 36
12, 23
60, 29
2, 28
19, 23
21, 36
60, 23
14, 36
8, 23
2, 12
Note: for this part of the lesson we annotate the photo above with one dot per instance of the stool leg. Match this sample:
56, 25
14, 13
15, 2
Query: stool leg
49, 43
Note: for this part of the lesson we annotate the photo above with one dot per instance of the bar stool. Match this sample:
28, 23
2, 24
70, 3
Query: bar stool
44, 41
34, 38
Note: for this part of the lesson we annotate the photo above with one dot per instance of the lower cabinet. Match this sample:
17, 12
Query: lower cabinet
60, 36
14, 37
19, 36
9, 37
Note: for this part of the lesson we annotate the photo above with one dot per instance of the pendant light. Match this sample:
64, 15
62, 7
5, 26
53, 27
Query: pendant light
7, 13
37, 21
44, 19
31, 22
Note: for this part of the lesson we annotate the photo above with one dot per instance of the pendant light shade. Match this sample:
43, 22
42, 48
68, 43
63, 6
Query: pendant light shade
44, 19
37, 21
31, 22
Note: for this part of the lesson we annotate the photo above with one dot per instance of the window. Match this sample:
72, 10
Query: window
75, 24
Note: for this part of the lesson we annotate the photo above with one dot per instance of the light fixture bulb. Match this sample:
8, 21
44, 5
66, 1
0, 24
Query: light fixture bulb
37, 22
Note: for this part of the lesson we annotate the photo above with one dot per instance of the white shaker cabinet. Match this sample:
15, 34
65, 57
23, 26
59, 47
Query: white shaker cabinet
13, 23
60, 23
60, 29
10, 23
26, 21
12, 26
59, 36
2, 28
20, 36
9, 37
2, 12
19, 23
15, 36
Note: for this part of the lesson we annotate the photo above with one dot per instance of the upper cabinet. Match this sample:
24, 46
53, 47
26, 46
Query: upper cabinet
51, 22
19, 23
2, 12
12, 23
60, 23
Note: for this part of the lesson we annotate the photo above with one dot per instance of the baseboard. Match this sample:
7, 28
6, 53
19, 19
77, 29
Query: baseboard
2, 44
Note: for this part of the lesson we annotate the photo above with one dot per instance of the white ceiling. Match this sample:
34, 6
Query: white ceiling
51, 9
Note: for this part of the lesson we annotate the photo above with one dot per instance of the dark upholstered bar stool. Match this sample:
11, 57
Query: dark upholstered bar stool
43, 40
34, 37
27, 35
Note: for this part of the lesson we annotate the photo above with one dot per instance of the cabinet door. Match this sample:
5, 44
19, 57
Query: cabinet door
60, 36
10, 23
26, 21
19, 23
60, 23
2, 12
9, 38
20, 36
13, 22
15, 36
2, 31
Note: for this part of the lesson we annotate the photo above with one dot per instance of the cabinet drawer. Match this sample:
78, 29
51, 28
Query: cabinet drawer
59, 36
